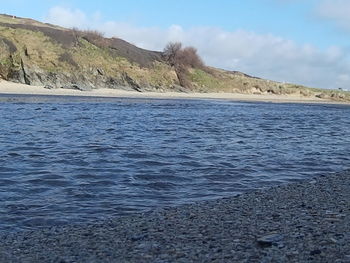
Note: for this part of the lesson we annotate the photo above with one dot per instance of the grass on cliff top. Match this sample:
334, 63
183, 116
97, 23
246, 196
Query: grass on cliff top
89, 56
205, 82
37, 49
34, 47
221, 81
9, 19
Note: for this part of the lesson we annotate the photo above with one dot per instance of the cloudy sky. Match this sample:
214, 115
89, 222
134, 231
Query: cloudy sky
300, 41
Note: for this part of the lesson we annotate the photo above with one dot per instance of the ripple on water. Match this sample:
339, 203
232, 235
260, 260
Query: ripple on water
75, 161
13, 154
10, 170
7, 182
49, 182
161, 186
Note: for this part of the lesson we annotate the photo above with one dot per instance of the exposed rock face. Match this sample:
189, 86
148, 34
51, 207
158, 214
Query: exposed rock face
33, 75
23, 62
7, 48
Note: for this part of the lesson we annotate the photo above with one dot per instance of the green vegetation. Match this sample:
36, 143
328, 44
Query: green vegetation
41, 54
206, 82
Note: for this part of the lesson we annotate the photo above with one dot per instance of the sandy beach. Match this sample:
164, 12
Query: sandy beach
21, 89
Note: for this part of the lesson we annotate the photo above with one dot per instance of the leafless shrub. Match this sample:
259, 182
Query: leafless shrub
76, 33
171, 53
93, 36
189, 57
175, 55
182, 59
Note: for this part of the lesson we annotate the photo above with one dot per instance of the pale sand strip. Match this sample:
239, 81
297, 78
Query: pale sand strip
21, 89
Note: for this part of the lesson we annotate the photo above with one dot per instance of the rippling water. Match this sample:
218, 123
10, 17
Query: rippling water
68, 160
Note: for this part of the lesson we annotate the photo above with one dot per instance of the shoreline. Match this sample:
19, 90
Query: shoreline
10, 88
307, 221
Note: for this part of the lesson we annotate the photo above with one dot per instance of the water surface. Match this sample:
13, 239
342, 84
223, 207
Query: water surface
65, 160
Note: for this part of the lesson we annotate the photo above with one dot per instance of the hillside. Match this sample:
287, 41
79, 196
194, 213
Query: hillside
36, 53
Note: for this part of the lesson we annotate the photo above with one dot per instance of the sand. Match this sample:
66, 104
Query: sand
21, 89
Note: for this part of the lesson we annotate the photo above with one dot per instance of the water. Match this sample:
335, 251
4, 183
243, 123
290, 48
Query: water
65, 160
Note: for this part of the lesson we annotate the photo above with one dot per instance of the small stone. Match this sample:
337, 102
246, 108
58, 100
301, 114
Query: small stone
138, 237
100, 71
332, 220
315, 252
313, 182
269, 240
292, 254
48, 87
333, 240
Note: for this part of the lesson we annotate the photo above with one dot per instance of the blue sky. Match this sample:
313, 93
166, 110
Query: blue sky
300, 41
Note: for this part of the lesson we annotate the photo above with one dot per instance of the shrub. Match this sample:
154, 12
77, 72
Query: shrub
93, 36
175, 55
171, 53
182, 59
189, 57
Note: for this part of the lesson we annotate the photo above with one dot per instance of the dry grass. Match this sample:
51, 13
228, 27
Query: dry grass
67, 58
85, 53
15, 20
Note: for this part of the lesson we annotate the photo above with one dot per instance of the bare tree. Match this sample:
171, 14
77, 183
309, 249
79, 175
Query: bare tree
175, 55
182, 59
171, 52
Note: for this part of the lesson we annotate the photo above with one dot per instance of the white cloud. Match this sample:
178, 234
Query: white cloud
266, 56
337, 11
67, 17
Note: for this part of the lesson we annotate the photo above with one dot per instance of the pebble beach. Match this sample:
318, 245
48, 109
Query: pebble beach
307, 221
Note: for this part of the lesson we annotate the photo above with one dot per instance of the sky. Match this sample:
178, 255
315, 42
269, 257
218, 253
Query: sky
298, 41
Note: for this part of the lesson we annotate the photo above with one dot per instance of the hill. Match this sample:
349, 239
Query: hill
42, 54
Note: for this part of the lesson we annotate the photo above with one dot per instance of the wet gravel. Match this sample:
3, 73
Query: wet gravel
307, 221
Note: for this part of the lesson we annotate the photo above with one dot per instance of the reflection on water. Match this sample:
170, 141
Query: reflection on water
88, 158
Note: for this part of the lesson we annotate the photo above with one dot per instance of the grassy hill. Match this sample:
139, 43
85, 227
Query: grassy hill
36, 53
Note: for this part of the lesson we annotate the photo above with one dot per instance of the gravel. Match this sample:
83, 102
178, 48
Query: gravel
307, 221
